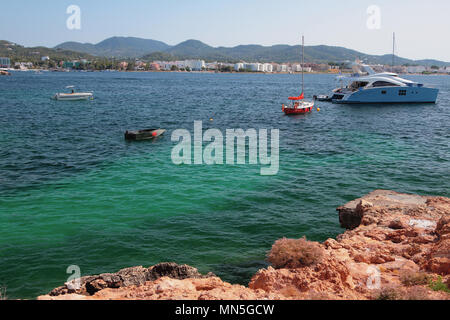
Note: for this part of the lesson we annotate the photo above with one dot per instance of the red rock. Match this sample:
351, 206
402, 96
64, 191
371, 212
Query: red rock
388, 233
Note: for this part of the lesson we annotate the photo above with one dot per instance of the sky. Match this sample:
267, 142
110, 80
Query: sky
421, 27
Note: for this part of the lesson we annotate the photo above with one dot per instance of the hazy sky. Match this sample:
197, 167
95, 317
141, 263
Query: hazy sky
422, 27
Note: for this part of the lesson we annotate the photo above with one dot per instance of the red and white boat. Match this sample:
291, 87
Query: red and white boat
298, 105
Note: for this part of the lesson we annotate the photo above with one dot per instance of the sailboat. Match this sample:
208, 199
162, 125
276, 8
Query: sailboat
298, 105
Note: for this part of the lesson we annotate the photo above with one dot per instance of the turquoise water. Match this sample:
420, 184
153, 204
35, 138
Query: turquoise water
73, 192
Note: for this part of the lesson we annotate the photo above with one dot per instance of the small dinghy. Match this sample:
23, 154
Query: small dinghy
74, 96
144, 134
322, 98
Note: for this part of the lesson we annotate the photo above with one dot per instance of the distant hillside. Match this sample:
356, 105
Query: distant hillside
124, 47
19, 53
160, 56
127, 47
193, 49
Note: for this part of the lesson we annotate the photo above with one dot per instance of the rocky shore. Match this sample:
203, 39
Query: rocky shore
397, 246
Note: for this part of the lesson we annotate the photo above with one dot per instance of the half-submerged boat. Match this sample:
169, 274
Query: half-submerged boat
144, 134
298, 105
73, 96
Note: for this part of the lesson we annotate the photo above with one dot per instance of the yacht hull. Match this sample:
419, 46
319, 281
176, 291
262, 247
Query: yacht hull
388, 95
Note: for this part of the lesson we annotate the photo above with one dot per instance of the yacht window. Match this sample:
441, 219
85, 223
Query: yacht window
358, 84
383, 92
402, 92
384, 84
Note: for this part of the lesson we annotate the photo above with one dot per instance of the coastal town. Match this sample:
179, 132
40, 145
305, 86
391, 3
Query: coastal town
225, 159
45, 63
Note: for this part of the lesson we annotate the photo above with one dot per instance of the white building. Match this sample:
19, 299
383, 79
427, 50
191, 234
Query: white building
23, 65
255, 67
282, 68
212, 66
298, 68
251, 66
239, 66
267, 67
196, 65
260, 67
416, 69
45, 58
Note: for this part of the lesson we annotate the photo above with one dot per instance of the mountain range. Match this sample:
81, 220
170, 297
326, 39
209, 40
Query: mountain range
34, 54
133, 48
119, 47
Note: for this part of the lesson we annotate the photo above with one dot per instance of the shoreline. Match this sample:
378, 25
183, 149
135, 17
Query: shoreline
213, 72
400, 242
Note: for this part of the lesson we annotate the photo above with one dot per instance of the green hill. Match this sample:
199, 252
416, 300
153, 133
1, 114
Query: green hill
193, 49
19, 53
131, 48
124, 47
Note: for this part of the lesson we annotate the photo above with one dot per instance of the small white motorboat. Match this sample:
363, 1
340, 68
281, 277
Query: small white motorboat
322, 97
74, 96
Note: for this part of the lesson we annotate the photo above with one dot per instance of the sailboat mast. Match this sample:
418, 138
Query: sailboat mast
393, 51
303, 63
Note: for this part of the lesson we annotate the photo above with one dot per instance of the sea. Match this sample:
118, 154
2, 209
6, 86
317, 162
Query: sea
73, 192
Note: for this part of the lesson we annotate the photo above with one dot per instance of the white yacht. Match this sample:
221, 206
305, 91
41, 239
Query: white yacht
371, 87
384, 88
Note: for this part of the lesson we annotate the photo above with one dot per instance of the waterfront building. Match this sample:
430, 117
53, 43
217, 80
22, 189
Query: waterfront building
180, 64
195, 65
259, 67
140, 66
123, 65
155, 66
71, 64
334, 69
268, 67
255, 67
239, 66
212, 65
23, 65
416, 69
282, 68
5, 63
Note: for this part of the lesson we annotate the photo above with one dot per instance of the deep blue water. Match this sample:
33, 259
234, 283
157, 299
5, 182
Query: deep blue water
72, 191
